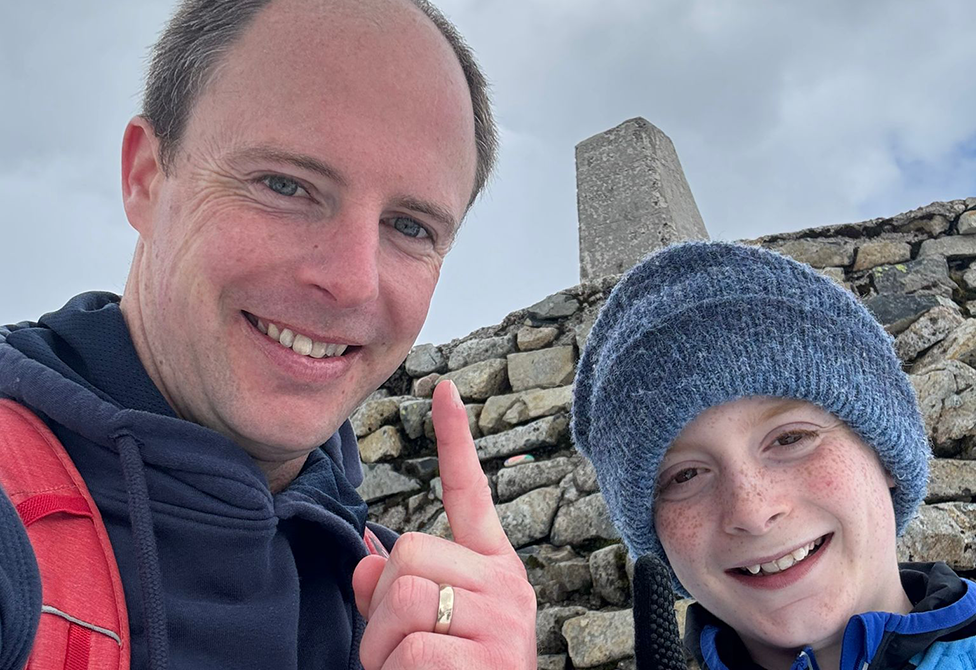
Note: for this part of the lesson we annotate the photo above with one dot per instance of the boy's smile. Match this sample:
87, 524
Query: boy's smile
778, 519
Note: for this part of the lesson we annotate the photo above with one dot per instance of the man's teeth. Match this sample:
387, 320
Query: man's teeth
300, 344
787, 561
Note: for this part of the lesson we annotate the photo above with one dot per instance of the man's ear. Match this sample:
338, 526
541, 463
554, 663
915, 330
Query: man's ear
141, 174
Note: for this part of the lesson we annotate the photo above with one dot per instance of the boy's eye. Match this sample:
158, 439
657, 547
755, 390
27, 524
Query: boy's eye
793, 438
685, 475
409, 227
284, 186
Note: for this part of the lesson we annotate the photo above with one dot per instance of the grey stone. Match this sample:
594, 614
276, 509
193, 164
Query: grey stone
955, 246
932, 225
599, 637
378, 394
583, 330
959, 345
441, 527
529, 517
556, 306
627, 664
481, 380
926, 275
873, 253
384, 444
370, 416
538, 403
930, 329
969, 278
412, 413
608, 567
586, 519
967, 223
380, 481
898, 312
437, 488
547, 432
836, 274
548, 627
572, 576
492, 418
424, 387
514, 481
421, 467
551, 662
584, 477
632, 198
425, 359
478, 350
546, 368
943, 532
530, 339
947, 397
820, 253
951, 480
474, 413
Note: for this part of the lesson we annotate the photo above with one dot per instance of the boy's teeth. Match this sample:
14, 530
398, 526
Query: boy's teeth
300, 344
785, 562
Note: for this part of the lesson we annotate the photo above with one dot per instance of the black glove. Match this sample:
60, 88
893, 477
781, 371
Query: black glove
657, 645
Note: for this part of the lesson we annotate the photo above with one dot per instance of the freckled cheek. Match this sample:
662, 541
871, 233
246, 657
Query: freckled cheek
682, 531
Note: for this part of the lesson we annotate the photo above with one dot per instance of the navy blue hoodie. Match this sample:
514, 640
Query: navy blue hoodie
218, 572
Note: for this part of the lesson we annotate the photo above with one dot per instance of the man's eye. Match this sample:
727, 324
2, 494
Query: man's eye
409, 227
282, 185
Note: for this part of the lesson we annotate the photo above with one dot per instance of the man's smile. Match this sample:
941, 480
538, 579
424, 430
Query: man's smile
302, 344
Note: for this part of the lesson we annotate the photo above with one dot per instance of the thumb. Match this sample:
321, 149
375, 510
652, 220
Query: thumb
364, 580
657, 645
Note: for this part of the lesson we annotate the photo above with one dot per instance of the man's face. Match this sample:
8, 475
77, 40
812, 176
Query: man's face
317, 188
749, 482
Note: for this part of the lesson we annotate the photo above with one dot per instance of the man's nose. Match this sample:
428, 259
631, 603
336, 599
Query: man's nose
345, 258
752, 503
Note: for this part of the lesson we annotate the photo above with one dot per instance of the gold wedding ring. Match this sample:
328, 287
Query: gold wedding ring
445, 609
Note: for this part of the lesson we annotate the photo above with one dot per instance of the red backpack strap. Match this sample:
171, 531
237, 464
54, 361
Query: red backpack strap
84, 623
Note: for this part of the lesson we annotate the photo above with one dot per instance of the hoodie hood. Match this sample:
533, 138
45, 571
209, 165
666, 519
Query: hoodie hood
155, 477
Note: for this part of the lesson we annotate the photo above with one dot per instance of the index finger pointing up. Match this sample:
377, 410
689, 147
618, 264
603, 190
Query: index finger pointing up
467, 498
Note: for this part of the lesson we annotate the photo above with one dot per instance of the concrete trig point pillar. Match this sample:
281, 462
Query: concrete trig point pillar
632, 198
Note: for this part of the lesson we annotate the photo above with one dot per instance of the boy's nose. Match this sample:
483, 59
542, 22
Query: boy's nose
752, 506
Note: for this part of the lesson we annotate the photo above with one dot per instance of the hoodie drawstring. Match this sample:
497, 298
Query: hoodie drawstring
147, 555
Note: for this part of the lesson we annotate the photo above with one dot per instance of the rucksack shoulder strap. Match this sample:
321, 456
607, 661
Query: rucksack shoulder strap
84, 623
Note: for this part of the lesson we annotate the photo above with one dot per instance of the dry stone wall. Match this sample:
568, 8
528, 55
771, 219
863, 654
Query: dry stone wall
916, 272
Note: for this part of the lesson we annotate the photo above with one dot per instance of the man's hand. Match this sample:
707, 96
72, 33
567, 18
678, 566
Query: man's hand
493, 624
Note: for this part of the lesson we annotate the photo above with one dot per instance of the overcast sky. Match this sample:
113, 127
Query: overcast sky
785, 115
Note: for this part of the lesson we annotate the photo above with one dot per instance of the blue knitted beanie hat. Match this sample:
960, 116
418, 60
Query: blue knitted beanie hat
700, 324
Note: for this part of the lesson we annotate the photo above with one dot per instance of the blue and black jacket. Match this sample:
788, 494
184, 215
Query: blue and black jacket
218, 572
938, 634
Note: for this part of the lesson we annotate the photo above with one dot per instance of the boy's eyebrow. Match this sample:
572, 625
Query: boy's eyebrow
781, 407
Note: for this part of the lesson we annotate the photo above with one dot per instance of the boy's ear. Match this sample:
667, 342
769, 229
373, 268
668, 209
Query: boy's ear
141, 174
890, 480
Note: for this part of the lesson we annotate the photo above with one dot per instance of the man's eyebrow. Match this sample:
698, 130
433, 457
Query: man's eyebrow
433, 210
302, 161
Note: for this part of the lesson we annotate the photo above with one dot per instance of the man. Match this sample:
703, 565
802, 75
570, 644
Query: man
296, 179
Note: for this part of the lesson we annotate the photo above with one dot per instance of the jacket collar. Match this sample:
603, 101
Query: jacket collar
944, 608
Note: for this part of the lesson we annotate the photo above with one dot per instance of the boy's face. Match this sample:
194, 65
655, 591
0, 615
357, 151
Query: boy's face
760, 481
